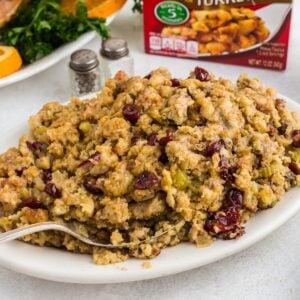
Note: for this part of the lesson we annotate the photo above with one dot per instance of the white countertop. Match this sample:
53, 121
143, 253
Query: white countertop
268, 270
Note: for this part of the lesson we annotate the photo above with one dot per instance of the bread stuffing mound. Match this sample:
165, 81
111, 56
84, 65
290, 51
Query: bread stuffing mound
197, 157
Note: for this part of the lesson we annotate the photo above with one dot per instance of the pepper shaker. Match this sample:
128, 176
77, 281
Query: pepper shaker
114, 56
85, 73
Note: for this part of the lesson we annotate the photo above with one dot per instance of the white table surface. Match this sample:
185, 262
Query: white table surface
268, 270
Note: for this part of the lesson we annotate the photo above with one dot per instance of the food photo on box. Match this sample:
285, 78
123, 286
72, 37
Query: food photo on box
252, 33
149, 140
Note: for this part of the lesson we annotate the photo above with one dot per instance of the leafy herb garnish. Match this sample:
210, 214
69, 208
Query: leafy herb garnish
138, 6
40, 26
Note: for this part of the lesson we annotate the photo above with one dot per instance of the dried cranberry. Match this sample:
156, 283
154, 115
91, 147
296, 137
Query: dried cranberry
95, 157
32, 203
52, 190
163, 158
168, 138
232, 215
219, 223
223, 164
201, 74
145, 180
20, 171
30, 146
233, 198
131, 113
36, 146
90, 185
282, 129
235, 233
227, 175
225, 224
175, 82
295, 133
296, 142
294, 168
134, 140
296, 138
213, 148
152, 139
47, 176
91, 160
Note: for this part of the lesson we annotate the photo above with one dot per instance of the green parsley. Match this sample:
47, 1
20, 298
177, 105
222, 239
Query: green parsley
138, 6
40, 27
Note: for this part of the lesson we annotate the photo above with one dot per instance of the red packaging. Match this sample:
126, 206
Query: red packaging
241, 32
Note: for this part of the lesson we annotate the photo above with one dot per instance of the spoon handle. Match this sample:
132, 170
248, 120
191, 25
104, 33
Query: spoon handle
67, 228
20, 232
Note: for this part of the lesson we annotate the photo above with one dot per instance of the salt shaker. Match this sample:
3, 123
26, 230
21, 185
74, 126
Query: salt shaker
114, 56
84, 72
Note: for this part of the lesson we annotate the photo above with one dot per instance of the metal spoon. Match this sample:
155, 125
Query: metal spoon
71, 230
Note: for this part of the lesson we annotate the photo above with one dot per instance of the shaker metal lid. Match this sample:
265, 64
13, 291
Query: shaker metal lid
114, 48
83, 60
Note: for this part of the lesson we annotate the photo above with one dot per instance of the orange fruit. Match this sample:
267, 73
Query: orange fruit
10, 60
95, 8
8, 9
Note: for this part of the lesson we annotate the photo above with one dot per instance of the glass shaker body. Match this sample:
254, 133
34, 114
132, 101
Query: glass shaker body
85, 75
114, 57
112, 66
85, 82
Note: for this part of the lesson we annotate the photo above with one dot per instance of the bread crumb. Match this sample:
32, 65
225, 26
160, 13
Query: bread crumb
146, 265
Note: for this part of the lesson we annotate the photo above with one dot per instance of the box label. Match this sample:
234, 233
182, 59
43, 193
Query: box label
171, 12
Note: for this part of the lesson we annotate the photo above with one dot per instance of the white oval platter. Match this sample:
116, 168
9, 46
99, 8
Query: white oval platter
63, 266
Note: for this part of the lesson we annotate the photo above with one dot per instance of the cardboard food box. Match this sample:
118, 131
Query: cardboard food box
241, 32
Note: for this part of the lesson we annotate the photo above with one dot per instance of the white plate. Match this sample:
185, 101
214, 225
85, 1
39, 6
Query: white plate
60, 265
51, 59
